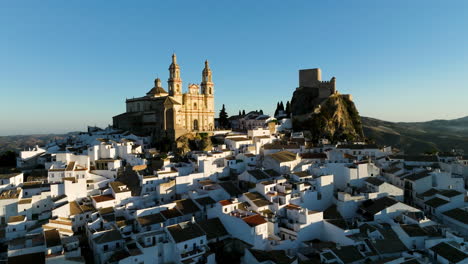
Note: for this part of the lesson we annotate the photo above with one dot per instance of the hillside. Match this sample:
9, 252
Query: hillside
419, 137
20, 142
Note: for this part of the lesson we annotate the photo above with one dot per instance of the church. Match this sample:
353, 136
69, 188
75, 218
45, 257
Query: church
170, 114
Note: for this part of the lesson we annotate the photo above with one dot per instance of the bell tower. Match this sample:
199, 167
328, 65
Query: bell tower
207, 85
174, 82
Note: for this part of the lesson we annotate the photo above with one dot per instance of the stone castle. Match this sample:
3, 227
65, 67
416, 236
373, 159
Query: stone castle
311, 79
169, 115
313, 91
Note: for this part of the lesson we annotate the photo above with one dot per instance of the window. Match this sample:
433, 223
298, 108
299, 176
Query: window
185, 246
106, 247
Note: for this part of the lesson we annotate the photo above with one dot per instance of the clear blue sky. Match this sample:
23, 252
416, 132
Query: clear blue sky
67, 64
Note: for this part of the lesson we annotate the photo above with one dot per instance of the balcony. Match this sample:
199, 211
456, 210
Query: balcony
193, 253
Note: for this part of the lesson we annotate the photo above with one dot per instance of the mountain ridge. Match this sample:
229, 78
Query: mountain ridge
419, 137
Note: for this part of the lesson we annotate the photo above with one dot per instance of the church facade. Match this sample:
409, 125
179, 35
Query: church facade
173, 113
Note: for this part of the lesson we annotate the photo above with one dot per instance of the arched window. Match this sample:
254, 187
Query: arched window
195, 106
195, 124
210, 90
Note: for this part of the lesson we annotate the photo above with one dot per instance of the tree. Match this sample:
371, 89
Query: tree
281, 106
243, 112
223, 118
240, 113
261, 111
288, 109
277, 109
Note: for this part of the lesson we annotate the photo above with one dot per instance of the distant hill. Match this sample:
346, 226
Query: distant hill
419, 137
21, 142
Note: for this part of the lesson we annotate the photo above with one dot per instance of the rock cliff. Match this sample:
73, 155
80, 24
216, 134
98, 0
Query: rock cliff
193, 141
334, 117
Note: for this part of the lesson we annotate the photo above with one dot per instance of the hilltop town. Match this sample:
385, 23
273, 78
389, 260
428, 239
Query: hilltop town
257, 189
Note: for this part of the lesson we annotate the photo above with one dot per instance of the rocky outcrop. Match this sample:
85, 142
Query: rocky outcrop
193, 141
334, 117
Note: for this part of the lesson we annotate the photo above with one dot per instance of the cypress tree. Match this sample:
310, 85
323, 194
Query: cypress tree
288, 109
223, 118
277, 109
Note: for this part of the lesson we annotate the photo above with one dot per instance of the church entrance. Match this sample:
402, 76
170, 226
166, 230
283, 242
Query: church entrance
195, 124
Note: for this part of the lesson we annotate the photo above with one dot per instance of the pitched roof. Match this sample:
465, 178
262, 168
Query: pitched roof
314, 156
377, 205
253, 195
102, 198
374, 181
205, 201
272, 173
414, 230
187, 206
449, 193
230, 188
106, 210
258, 174
213, 228
9, 175
150, 219
185, 231
254, 220
25, 201
118, 187
10, 194
448, 252
284, 156
171, 213
16, 218
348, 254
108, 236
225, 202
430, 192
418, 176
458, 214
436, 202
75, 208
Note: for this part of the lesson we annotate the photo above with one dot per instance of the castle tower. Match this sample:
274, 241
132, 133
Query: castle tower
333, 85
207, 86
174, 82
